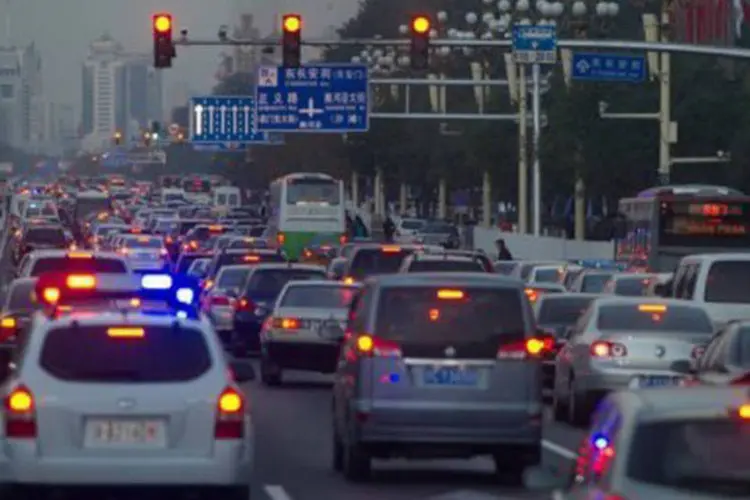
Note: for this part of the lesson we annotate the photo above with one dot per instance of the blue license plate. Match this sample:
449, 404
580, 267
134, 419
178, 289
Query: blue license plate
657, 381
451, 376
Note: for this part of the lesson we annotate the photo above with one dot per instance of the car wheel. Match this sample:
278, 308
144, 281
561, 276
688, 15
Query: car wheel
357, 463
337, 453
559, 408
579, 408
270, 373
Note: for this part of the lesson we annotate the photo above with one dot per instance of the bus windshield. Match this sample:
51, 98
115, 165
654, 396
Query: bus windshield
323, 191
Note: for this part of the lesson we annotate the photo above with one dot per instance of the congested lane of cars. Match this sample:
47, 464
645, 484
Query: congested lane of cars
414, 364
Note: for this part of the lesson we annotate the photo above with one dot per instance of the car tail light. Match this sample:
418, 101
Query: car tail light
229, 415
280, 238
81, 282
370, 345
220, 300
697, 351
8, 327
124, 251
532, 347
348, 280
286, 323
604, 349
244, 304
51, 295
20, 419
169, 240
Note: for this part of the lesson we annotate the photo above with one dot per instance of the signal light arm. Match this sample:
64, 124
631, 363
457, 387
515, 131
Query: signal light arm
677, 48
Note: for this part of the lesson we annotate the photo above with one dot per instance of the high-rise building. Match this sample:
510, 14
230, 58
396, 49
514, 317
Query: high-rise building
21, 111
121, 92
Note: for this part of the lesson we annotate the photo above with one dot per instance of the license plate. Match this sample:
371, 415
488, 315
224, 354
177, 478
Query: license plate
114, 432
450, 376
647, 381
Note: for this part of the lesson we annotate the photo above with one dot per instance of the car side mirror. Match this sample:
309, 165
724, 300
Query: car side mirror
683, 367
242, 372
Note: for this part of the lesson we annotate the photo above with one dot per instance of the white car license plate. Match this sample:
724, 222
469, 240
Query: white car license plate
129, 432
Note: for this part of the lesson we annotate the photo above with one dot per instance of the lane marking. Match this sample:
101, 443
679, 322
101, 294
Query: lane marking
276, 492
559, 450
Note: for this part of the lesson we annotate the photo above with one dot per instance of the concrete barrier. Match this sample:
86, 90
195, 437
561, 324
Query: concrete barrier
528, 247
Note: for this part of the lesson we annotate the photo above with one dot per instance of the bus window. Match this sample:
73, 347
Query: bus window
300, 191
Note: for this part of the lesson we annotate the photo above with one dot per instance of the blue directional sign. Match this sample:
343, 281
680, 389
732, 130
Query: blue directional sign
314, 98
224, 119
609, 67
534, 44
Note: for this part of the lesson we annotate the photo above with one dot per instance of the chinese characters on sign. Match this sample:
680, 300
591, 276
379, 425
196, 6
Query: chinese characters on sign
318, 98
609, 67
534, 44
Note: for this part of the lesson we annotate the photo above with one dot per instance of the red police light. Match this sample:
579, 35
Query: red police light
162, 23
292, 23
420, 25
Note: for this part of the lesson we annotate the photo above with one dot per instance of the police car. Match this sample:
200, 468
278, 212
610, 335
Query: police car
99, 398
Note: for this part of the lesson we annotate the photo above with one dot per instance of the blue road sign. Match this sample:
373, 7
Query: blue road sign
534, 44
315, 98
609, 67
224, 119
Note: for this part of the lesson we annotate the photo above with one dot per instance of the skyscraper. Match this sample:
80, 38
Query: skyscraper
121, 92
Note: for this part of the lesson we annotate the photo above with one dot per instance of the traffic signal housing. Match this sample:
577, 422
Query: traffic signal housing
420, 42
291, 42
164, 50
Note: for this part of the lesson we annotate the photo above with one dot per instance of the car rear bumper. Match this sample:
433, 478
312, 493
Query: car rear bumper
231, 464
610, 380
310, 356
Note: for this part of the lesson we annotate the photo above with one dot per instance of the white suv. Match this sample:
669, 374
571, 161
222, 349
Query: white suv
109, 399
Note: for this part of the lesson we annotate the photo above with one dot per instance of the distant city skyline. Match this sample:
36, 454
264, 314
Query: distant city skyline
63, 31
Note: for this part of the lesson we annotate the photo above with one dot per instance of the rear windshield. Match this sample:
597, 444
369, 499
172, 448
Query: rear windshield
546, 275
727, 282
259, 243
232, 278
631, 287
249, 258
89, 266
594, 283
164, 354
418, 314
699, 457
21, 297
46, 235
183, 264
199, 267
456, 266
144, 242
370, 261
562, 310
654, 318
272, 281
318, 297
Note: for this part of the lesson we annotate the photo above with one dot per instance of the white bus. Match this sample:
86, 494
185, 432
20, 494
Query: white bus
305, 207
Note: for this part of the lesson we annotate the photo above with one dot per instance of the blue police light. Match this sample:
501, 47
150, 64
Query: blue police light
156, 282
182, 314
185, 295
600, 442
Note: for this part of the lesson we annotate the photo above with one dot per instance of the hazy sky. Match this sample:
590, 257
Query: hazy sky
63, 29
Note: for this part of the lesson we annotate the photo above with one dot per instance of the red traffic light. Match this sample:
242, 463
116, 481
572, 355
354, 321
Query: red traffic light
292, 23
420, 25
162, 23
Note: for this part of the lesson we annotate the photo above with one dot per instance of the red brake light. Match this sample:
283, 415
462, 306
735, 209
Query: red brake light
391, 249
251, 258
342, 240
229, 415
532, 347
244, 304
604, 349
370, 345
450, 294
51, 295
20, 420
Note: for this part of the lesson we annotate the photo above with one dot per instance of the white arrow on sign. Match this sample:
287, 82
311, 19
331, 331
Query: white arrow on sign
583, 66
234, 119
246, 109
534, 44
223, 111
198, 119
211, 111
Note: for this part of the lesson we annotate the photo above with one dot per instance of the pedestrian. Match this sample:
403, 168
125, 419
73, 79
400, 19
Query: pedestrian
389, 229
502, 250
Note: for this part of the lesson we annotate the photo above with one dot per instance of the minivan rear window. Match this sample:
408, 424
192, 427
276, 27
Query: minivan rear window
446, 266
371, 261
419, 314
91, 266
654, 318
163, 355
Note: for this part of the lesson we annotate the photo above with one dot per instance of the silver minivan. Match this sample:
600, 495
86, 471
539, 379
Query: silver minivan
437, 365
